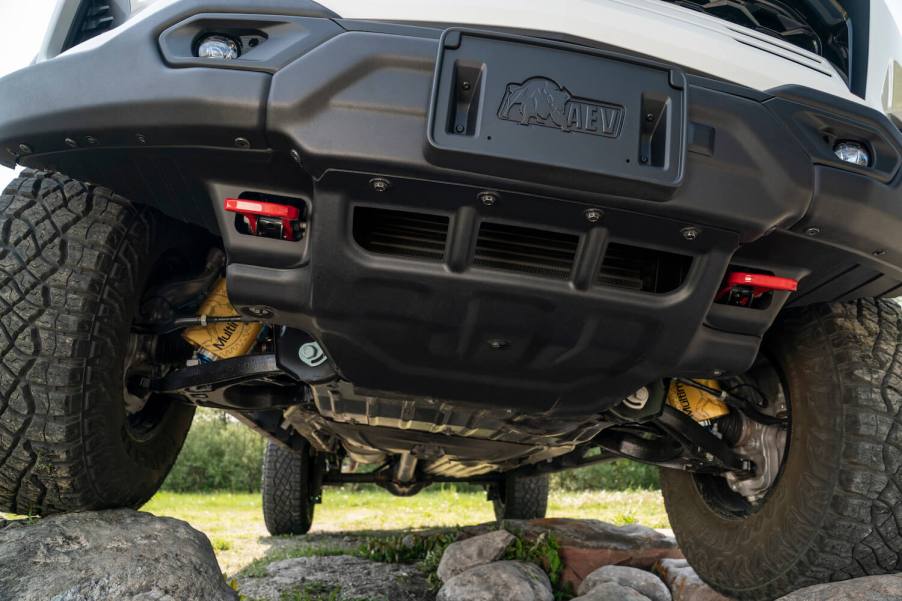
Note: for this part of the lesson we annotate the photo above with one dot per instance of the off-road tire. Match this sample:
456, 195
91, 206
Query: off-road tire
835, 511
519, 498
290, 489
74, 259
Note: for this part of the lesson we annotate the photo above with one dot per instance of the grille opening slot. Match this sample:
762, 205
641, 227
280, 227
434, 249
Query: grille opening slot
643, 269
526, 250
92, 18
401, 233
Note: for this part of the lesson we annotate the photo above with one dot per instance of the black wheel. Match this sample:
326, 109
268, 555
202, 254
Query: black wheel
518, 498
833, 511
74, 260
291, 488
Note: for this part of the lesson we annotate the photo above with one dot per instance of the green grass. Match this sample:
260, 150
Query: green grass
234, 522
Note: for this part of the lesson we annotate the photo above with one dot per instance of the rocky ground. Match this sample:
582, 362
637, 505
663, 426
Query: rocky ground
132, 556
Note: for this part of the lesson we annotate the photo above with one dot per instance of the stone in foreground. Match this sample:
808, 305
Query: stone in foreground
355, 578
586, 545
96, 556
611, 591
640, 581
870, 588
469, 553
500, 581
684, 583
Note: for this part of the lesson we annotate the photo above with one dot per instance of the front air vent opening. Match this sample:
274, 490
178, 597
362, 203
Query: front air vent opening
401, 233
92, 18
643, 269
526, 250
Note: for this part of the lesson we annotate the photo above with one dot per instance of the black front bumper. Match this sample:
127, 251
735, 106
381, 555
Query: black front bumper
751, 174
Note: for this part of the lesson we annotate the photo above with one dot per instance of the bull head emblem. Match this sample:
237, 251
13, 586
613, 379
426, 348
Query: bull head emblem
538, 100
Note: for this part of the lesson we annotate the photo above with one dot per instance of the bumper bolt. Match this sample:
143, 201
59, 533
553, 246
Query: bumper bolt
71, 143
690, 233
91, 140
295, 156
380, 184
594, 215
497, 344
812, 231
879, 253
488, 198
24, 148
141, 138
243, 143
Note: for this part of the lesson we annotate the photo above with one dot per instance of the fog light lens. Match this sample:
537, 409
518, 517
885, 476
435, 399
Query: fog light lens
852, 152
219, 47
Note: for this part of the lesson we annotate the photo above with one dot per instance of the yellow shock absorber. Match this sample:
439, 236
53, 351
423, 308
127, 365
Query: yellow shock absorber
696, 403
222, 340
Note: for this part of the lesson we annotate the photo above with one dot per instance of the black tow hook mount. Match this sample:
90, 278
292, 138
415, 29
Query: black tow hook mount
300, 355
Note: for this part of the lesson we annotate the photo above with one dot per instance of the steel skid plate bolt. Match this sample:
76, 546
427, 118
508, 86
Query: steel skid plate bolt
312, 354
380, 184
594, 215
488, 199
690, 233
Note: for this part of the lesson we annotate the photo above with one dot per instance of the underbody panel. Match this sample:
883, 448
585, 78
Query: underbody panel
475, 266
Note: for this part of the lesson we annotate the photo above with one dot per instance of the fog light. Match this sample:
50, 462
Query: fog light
852, 152
219, 47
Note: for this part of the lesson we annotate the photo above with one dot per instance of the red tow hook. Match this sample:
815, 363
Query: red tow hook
741, 288
266, 219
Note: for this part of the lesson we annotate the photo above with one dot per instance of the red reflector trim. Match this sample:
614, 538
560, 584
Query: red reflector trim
261, 209
759, 283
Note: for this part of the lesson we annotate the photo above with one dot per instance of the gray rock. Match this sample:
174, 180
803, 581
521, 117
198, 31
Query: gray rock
96, 556
479, 550
640, 581
684, 583
611, 591
499, 581
870, 588
356, 579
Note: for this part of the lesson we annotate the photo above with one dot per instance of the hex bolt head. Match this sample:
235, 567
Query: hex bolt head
488, 199
594, 215
91, 140
879, 253
465, 85
141, 138
24, 148
690, 233
812, 231
71, 143
243, 143
295, 156
498, 344
380, 184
